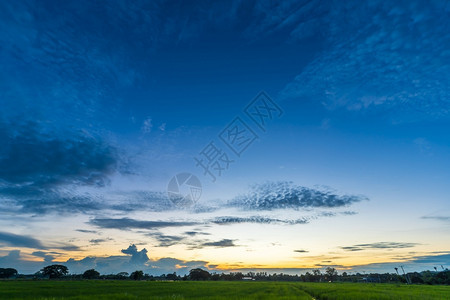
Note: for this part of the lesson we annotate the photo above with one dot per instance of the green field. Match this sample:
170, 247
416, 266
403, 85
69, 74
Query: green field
109, 289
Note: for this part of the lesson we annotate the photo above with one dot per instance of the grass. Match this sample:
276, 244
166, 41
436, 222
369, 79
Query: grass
109, 289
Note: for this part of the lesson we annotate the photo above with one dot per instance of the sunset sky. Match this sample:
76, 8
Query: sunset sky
330, 121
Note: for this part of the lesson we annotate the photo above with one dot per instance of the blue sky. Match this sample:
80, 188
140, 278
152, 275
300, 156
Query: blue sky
102, 103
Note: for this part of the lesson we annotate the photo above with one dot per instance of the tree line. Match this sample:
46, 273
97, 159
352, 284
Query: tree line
329, 275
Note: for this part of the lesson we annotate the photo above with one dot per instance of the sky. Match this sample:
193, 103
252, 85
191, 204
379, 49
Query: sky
228, 135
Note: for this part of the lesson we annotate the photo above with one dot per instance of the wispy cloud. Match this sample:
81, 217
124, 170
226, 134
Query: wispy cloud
439, 218
287, 195
128, 223
16, 240
225, 243
99, 241
380, 60
32, 157
380, 245
257, 219
301, 251
166, 240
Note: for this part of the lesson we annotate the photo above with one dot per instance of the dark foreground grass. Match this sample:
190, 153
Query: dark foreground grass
108, 289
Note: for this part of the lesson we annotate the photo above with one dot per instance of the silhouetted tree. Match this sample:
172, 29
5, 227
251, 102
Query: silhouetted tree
55, 271
331, 273
91, 274
137, 275
317, 276
199, 274
172, 276
7, 272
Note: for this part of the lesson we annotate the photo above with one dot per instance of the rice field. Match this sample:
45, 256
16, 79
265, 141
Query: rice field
110, 289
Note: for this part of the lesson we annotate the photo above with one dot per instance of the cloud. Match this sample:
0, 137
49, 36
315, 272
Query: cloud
41, 168
439, 218
99, 241
165, 240
86, 231
147, 126
128, 223
258, 220
380, 60
67, 199
380, 245
411, 264
137, 257
47, 257
301, 251
286, 195
224, 243
16, 240
194, 233
32, 157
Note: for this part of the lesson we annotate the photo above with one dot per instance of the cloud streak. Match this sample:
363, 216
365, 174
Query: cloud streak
379, 245
385, 59
128, 223
16, 240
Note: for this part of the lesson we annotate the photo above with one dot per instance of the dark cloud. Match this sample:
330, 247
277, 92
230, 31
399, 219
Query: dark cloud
166, 240
352, 248
32, 200
225, 243
47, 257
127, 223
194, 233
301, 251
439, 218
286, 195
257, 219
57, 201
39, 168
137, 257
30, 156
16, 240
377, 57
433, 259
99, 241
66, 247
86, 231
169, 265
380, 245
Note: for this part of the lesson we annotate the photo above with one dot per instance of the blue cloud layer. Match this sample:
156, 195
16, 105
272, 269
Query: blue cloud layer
384, 57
